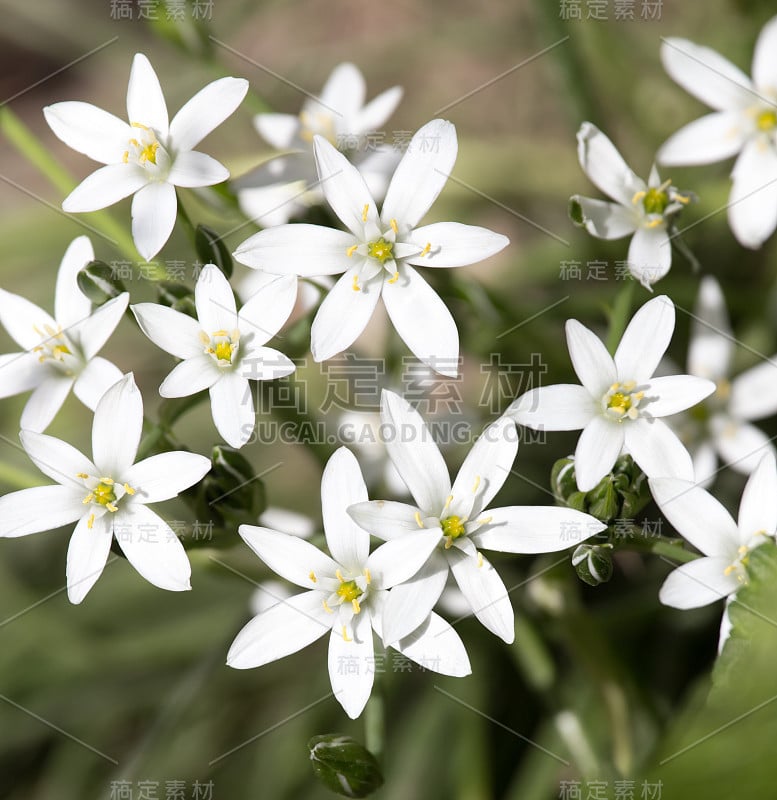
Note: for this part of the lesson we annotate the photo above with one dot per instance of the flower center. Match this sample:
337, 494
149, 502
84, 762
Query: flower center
452, 527
621, 401
221, 346
104, 492
145, 149
381, 250
321, 123
349, 591
655, 201
766, 120
53, 346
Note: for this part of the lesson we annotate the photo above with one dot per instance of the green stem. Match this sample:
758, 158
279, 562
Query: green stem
186, 219
619, 316
659, 546
17, 478
375, 721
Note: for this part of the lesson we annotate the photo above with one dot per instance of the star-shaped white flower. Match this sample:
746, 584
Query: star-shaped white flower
708, 526
721, 425
378, 253
457, 519
344, 596
147, 156
108, 496
285, 186
223, 348
643, 210
620, 403
60, 353
743, 124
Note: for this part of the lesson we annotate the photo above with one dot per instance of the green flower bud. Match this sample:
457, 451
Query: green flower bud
593, 563
99, 283
212, 250
176, 296
344, 766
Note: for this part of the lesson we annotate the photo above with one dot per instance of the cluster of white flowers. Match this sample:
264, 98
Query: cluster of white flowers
438, 539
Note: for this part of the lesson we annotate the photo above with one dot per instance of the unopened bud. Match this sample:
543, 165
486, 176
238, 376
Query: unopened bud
593, 563
344, 766
99, 283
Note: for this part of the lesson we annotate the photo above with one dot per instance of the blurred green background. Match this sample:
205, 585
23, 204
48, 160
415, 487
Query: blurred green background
597, 677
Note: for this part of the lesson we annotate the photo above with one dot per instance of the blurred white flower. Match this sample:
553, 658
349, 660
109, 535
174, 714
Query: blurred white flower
619, 402
287, 185
345, 595
643, 210
377, 251
744, 124
223, 348
149, 156
60, 353
107, 496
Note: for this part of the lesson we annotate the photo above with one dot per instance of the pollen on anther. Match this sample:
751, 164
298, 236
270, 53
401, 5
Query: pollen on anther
346, 638
368, 576
351, 250
356, 607
477, 484
426, 249
418, 519
88, 499
355, 286
365, 211
395, 278
90, 522
313, 577
326, 607
82, 475
128, 489
480, 559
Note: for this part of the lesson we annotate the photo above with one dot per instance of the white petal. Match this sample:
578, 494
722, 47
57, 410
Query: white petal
696, 515
645, 340
266, 312
765, 56
232, 407
264, 364
343, 315
145, 101
43, 508
604, 165
377, 111
603, 219
385, 519
752, 208
658, 451
164, 476
344, 188
281, 519
94, 330
89, 130
414, 453
192, 169
104, 187
279, 130
87, 554
590, 359
675, 393
410, 603
711, 138
343, 91
70, 304
650, 254
421, 173
705, 464
455, 245
754, 392
403, 557
274, 205
152, 547
118, 420
481, 585
205, 111
741, 445
352, 665
215, 301
342, 485
535, 529
563, 407
45, 402
20, 372
697, 584
706, 75
298, 249
289, 556
20, 317
435, 645
283, 629
485, 469
174, 332
725, 627
597, 449
758, 508
57, 460
154, 210
191, 376
423, 321
711, 345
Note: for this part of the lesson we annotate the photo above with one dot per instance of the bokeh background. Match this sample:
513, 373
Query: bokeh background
129, 692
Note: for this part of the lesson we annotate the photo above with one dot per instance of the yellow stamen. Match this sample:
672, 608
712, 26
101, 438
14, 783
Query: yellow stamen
394, 226
355, 285
326, 607
81, 475
313, 577
351, 250
339, 576
112, 508
480, 559
204, 338
484, 521
90, 522
356, 607
448, 542
125, 157
128, 489
365, 210
418, 519
109, 481
139, 125
88, 499
477, 484
394, 279
368, 576
426, 249
448, 502
637, 197
729, 569
346, 638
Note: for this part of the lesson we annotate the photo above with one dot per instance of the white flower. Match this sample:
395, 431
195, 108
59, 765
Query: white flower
108, 496
285, 186
726, 544
721, 425
146, 157
642, 209
744, 123
619, 403
456, 518
223, 348
344, 596
60, 353
379, 251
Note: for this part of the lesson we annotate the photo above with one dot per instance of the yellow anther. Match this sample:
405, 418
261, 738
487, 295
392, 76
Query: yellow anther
484, 521
418, 519
81, 475
426, 249
355, 606
134, 142
108, 481
637, 197
88, 499
448, 542
204, 338
128, 489
729, 569
346, 638
395, 278
447, 502
339, 576
112, 508
139, 125
480, 559
355, 286
326, 607
368, 576
125, 157
654, 223
90, 522
365, 211
477, 484
351, 250
313, 577
394, 226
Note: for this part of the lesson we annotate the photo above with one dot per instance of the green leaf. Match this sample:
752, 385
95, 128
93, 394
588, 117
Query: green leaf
344, 766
